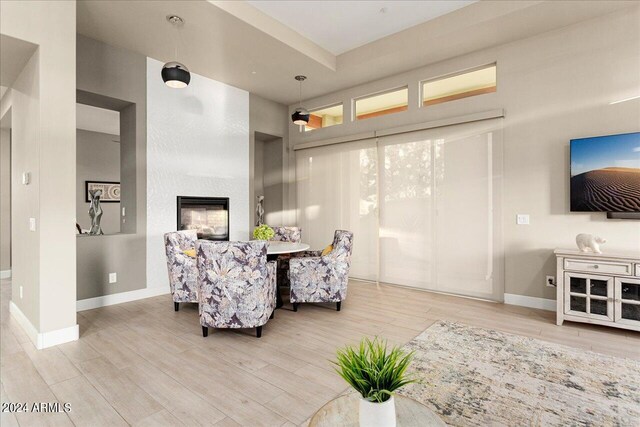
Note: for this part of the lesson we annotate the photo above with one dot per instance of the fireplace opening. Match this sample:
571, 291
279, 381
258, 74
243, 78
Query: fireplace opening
209, 216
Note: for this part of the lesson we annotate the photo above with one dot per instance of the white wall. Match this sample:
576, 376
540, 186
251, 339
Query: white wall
553, 87
5, 198
197, 145
48, 130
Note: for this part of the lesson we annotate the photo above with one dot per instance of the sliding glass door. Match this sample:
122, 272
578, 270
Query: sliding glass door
425, 206
406, 206
337, 189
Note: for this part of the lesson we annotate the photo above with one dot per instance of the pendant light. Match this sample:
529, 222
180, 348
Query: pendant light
175, 74
301, 115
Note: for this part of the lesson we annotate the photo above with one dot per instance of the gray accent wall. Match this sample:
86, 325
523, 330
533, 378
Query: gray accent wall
269, 160
110, 77
98, 159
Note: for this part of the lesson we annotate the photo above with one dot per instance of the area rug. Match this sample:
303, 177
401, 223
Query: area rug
474, 376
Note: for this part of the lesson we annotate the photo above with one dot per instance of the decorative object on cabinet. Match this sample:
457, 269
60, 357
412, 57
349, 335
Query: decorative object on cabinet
589, 242
603, 289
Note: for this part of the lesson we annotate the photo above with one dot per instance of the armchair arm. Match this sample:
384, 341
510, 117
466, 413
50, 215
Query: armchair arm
271, 281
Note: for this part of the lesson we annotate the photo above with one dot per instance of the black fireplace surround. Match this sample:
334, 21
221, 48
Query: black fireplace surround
208, 215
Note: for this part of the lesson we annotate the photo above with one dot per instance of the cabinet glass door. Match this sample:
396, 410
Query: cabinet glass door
589, 295
627, 301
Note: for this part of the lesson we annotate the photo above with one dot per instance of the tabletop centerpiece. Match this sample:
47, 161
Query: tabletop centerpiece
375, 371
263, 232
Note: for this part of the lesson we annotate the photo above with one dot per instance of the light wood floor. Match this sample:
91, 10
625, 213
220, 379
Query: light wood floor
143, 364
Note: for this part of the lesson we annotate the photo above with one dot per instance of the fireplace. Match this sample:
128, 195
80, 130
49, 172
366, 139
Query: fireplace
208, 215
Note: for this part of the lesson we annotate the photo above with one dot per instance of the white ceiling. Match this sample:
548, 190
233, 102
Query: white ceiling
340, 26
97, 119
237, 44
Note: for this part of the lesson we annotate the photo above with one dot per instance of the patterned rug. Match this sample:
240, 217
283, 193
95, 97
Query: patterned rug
473, 376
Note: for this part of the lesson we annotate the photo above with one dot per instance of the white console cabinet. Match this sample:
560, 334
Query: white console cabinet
603, 289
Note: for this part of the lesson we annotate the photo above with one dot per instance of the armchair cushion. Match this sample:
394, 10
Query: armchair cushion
190, 252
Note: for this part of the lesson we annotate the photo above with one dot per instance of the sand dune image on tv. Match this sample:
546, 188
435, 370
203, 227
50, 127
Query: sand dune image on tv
606, 190
605, 173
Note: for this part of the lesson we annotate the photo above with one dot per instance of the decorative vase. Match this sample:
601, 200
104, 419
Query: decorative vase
374, 414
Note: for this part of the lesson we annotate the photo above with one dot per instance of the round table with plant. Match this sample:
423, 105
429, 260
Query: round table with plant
375, 372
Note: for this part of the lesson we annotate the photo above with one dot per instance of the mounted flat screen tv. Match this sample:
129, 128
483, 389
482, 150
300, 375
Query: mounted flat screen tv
605, 173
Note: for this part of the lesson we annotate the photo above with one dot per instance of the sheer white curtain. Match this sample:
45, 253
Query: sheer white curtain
337, 189
440, 217
425, 206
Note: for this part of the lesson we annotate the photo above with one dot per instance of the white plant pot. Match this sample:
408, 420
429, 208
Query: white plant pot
373, 414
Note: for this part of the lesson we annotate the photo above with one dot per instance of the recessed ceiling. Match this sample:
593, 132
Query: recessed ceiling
228, 41
340, 26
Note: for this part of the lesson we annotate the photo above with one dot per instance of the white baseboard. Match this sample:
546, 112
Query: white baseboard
5, 274
531, 302
103, 301
43, 339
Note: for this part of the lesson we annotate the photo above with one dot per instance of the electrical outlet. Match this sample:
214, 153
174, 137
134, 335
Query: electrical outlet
32, 224
21, 293
551, 281
113, 277
522, 219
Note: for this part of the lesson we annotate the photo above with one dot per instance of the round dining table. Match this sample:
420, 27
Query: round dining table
280, 248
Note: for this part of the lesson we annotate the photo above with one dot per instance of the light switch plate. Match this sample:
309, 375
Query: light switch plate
522, 219
26, 178
32, 224
113, 277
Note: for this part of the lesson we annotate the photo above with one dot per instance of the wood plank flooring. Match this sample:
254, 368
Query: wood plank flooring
143, 364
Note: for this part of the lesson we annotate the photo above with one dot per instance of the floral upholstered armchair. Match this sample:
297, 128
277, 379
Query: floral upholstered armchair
285, 234
236, 285
322, 278
182, 267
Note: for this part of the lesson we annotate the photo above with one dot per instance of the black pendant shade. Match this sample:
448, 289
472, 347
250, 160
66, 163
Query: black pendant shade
175, 75
300, 116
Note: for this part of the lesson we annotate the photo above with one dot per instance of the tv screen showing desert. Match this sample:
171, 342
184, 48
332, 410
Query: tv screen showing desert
605, 173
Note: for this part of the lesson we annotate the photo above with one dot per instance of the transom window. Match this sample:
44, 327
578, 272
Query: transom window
463, 85
382, 104
324, 117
